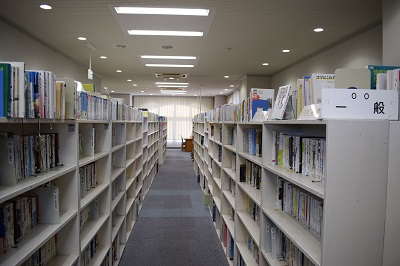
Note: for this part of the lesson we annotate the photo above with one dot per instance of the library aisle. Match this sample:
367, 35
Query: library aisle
174, 227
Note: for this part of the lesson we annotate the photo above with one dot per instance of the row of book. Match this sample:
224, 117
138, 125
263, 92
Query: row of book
253, 248
199, 118
115, 188
252, 141
301, 154
228, 242
251, 174
306, 209
17, 218
39, 94
253, 210
20, 215
115, 249
282, 248
243, 111
88, 178
44, 255
232, 185
90, 212
89, 251
23, 156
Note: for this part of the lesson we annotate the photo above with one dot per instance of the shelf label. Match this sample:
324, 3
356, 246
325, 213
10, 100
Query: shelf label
71, 128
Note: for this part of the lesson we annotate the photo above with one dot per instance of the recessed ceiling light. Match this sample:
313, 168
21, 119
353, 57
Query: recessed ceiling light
319, 30
112, 91
172, 83
226, 89
226, 77
165, 32
168, 65
82, 38
119, 71
128, 80
285, 50
265, 64
134, 85
47, 7
231, 86
171, 78
141, 91
151, 93
162, 11
166, 57
103, 57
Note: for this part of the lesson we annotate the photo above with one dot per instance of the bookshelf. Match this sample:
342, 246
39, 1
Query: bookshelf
162, 142
96, 188
260, 216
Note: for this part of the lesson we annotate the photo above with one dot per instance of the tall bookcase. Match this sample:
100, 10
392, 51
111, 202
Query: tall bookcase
93, 197
162, 142
348, 215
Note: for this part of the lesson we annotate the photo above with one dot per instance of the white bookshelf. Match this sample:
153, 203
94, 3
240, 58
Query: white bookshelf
116, 153
354, 190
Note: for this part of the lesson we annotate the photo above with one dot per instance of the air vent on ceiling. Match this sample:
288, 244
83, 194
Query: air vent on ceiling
171, 75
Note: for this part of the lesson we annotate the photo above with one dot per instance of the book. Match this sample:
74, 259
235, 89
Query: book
7, 87
49, 211
18, 93
319, 82
282, 98
260, 98
252, 134
374, 70
2, 113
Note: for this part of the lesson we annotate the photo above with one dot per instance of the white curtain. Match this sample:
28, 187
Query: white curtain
178, 110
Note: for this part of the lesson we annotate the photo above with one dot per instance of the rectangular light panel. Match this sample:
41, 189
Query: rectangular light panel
162, 11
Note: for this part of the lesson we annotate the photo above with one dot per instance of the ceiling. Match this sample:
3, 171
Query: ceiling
239, 36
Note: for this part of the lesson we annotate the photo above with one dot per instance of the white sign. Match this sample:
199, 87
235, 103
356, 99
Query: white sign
359, 104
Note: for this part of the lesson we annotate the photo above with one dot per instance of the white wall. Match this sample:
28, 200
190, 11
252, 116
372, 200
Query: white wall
253, 81
219, 100
364, 49
18, 47
391, 32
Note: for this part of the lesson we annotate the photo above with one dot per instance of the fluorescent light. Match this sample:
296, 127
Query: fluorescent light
134, 85
226, 89
168, 65
166, 57
172, 83
226, 77
162, 11
286, 51
141, 91
103, 57
112, 91
151, 93
265, 64
82, 38
165, 32
170, 78
319, 30
47, 7
195, 95
119, 71
172, 86
172, 91
128, 80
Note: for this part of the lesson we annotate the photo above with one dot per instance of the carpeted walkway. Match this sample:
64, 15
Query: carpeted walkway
174, 228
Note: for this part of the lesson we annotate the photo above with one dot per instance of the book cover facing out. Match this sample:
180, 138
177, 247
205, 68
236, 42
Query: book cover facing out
374, 70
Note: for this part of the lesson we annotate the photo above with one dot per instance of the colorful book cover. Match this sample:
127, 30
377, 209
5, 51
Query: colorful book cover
282, 98
6, 69
374, 70
1, 94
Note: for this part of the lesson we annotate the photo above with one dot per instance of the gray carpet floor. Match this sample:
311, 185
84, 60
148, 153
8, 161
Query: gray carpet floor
174, 228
